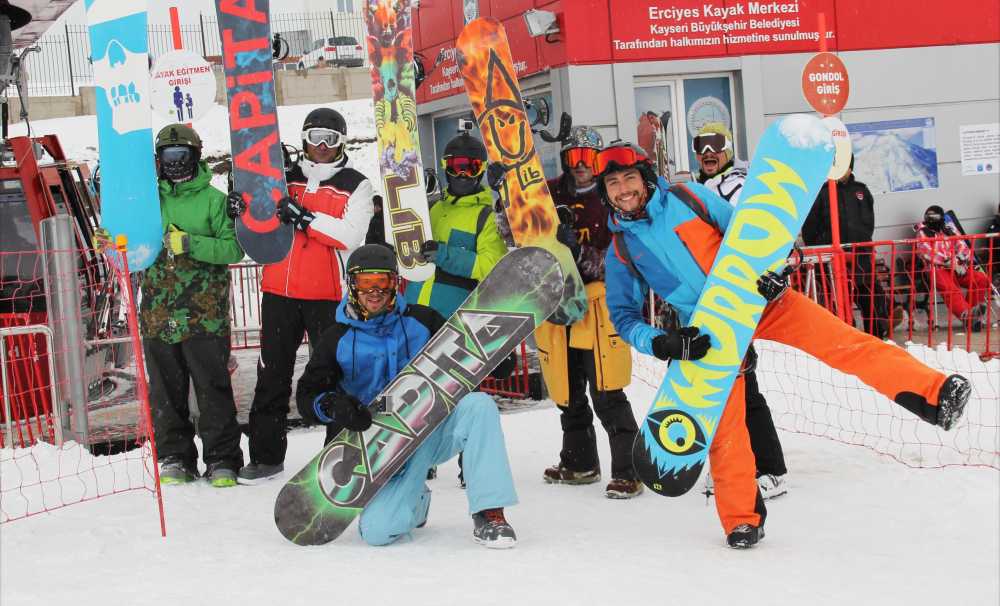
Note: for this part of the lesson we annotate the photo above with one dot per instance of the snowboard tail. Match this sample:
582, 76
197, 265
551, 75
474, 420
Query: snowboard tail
485, 61
258, 163
322, 499
790, 165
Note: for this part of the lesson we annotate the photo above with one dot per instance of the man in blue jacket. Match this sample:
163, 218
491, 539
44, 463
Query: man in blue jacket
375, 336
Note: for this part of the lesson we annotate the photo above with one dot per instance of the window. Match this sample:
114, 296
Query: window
17, 233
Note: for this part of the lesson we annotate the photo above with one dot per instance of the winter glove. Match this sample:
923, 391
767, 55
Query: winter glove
176, 241
567, 235
682, 344
495, 174
291, 213
235, 205
342, 408
102, 240
772, 285
429, 250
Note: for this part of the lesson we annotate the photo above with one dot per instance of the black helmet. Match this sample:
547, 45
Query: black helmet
372, 258
934, 217
324, 117
620, 156
467, 146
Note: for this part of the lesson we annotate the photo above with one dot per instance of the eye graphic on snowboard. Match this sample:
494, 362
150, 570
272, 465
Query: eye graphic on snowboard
677, 432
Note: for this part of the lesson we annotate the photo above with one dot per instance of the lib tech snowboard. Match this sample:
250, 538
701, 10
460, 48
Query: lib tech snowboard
406, 216
320, 502
258, 166
130, 202
488, 70
790, 165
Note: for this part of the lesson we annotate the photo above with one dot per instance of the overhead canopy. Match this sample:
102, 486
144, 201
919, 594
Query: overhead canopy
43, 14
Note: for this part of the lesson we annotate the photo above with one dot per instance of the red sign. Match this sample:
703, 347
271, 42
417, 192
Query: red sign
825, 84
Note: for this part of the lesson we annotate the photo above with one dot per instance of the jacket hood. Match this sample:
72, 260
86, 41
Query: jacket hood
482, 197
380, 325
200, 181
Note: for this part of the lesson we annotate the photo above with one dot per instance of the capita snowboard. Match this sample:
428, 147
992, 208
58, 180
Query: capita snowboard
790, 165
390, 50
321, 500
130, 202
488, 70
258, 164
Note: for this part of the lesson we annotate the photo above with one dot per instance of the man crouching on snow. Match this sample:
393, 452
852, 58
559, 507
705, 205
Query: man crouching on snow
375, 335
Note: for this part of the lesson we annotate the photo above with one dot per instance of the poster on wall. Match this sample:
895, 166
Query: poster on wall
980, 145
895, 155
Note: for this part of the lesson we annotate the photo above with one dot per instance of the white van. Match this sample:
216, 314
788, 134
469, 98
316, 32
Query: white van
336, 51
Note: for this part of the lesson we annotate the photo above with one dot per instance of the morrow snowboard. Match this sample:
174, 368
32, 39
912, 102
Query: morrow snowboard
258, 165
130, 202
321, 500
406, 216
488, 70
790, 165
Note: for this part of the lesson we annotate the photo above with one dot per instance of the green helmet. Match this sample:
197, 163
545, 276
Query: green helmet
177, 134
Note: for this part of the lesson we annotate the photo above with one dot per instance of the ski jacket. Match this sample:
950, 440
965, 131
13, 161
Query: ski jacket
856, 215
341, 199
360, 357
728, 182
591, 225
188, 295
673, 250
935, 249
469, 246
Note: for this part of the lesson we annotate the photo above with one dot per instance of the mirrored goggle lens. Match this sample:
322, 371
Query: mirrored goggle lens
622, 156
464, 166
322, 136
176, 153
366, 282
575, 155
712, 142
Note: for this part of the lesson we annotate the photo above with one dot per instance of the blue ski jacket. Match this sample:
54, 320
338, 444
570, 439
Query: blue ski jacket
360, 357
672, 249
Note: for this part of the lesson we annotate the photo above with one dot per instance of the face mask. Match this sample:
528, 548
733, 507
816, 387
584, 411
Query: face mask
178, 163
462, 186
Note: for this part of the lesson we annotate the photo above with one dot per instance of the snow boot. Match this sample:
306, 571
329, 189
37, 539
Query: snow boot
772, 486
492, 530
220, 476
173, 470
952, 398
619, 488
557, 474
255, 473
745, 536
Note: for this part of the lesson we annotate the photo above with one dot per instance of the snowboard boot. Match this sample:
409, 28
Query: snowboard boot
772, 486
221, 476
952, 399
255, 473
619, 488
492, 530
745, 536
557, 474
173, 470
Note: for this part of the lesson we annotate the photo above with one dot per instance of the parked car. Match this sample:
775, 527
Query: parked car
336, 51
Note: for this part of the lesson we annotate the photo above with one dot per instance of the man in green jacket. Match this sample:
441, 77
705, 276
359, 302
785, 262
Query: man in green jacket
185, 317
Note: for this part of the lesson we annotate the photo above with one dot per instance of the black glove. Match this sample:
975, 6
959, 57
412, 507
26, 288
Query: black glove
429, 250
567, 235
344, 409
495, 174
772, 285
566, 215
235, 205
682, 344
290, 213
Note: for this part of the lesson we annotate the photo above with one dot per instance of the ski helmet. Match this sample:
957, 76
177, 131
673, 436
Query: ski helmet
619, 156
178, 151
934, 218
375, 259
583, 136
464, 146
325, 118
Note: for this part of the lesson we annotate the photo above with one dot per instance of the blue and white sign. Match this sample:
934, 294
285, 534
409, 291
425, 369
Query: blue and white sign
895, 155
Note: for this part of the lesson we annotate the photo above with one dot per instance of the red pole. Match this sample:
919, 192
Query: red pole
175, 28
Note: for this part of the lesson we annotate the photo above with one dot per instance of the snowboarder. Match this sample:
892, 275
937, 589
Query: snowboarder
375, 335
662, 243
330, 205
723, 174
589, 352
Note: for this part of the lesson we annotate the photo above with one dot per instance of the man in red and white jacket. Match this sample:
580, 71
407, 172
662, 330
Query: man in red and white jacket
330, 205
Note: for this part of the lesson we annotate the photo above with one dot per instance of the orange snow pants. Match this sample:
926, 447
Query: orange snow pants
797, 321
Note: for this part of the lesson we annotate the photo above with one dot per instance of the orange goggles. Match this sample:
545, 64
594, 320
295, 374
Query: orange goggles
623, 156
575, 155
464, 166
371, 282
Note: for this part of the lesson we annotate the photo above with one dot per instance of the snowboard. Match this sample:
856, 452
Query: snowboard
390, 50
322, 499
258, 164
130, 201
486, 65
790, 165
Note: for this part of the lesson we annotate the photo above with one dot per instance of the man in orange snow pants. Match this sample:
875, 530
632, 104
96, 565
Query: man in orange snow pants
666, 240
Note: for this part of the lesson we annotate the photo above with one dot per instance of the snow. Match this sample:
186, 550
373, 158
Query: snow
804, 131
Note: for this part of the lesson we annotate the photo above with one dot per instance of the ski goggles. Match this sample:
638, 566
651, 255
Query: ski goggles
323, 136
371, 282
713, 142
176, 154
622, 156
575, 155
463, 166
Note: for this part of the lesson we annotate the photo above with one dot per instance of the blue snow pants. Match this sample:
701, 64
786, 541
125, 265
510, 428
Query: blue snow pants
473, 428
